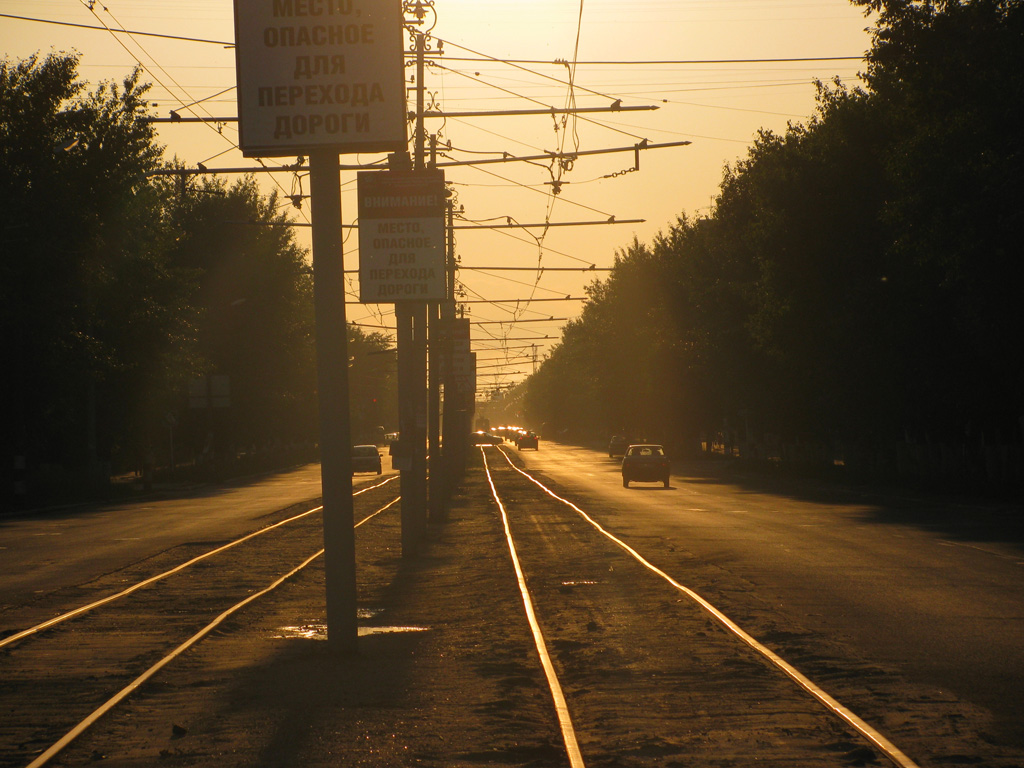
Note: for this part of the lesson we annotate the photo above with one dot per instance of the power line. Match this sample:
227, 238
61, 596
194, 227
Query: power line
481, 57
119, 31
521, 320
511, 338
517, 301
654, 62
591, 268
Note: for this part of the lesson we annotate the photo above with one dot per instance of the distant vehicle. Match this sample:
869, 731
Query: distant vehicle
481, 437
646, 463
366, 458
617, 446
528, 440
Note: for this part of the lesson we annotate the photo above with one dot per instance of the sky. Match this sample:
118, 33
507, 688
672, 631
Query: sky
718, 71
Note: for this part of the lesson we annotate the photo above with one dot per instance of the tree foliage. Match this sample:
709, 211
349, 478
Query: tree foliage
121, 289
254, 291
858, 279
96, 325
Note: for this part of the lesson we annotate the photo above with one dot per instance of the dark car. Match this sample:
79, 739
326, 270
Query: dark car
366, 458
646, 463
528, 440
617, 446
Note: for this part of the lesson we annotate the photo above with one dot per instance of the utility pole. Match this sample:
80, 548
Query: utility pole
411, 318
335, 428
285, 128
436, 475
453, 437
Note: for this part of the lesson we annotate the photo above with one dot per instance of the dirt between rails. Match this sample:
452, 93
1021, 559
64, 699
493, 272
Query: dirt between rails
446, 672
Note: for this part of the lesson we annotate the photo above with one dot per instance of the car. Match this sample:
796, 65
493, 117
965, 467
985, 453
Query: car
617, 446
480, 437
505, 433
366, 458
645, 463
528, 440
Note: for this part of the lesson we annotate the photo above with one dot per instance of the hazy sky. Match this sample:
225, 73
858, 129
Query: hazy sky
642, 52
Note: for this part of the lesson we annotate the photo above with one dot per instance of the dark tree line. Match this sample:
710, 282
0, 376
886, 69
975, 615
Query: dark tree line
857, 288
122, 293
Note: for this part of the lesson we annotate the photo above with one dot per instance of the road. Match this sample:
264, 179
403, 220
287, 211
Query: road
929, 589
54, 549
870, 593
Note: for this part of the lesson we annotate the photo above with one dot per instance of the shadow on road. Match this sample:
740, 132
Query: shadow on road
956, 516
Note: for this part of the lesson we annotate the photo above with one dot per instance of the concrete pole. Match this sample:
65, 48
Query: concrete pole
335, 426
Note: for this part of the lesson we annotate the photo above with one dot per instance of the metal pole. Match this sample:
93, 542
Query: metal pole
435, 462
332, 378
450, 431
407, 429
419, 393
421, 49
418, 373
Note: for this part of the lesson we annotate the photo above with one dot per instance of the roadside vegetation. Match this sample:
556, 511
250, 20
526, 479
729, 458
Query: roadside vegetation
854, 298
147, 323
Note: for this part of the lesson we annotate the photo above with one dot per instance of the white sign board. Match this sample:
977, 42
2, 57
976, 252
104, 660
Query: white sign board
320, 74
401, 236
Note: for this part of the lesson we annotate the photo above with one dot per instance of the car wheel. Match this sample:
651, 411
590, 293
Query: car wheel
667, 483
625, 483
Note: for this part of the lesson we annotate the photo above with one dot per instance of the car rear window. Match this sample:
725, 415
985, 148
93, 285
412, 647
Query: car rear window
646, 450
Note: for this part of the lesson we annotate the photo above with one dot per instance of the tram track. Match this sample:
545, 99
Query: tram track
588, 588
448, 671
116, 642
72, 613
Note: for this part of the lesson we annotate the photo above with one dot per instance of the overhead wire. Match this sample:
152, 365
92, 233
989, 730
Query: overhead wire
130, 32
481, 57
557, 169
510, 235
568, 128
573, 88
177, 90
478, 80
585, 207
562, 164
149, 69
90, 6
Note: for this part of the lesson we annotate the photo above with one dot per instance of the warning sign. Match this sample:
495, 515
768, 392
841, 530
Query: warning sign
401, 236
319, 74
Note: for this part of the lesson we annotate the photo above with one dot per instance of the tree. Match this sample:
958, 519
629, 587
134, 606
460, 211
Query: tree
94, 321
373, 385
949, 78
858, 278
255, 294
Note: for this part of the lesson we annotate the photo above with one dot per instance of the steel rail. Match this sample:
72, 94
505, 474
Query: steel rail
572, 747
125, 692
11, 639
894, 754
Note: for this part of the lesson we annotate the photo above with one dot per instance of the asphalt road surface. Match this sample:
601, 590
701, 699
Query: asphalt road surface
930, 588
52, 549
